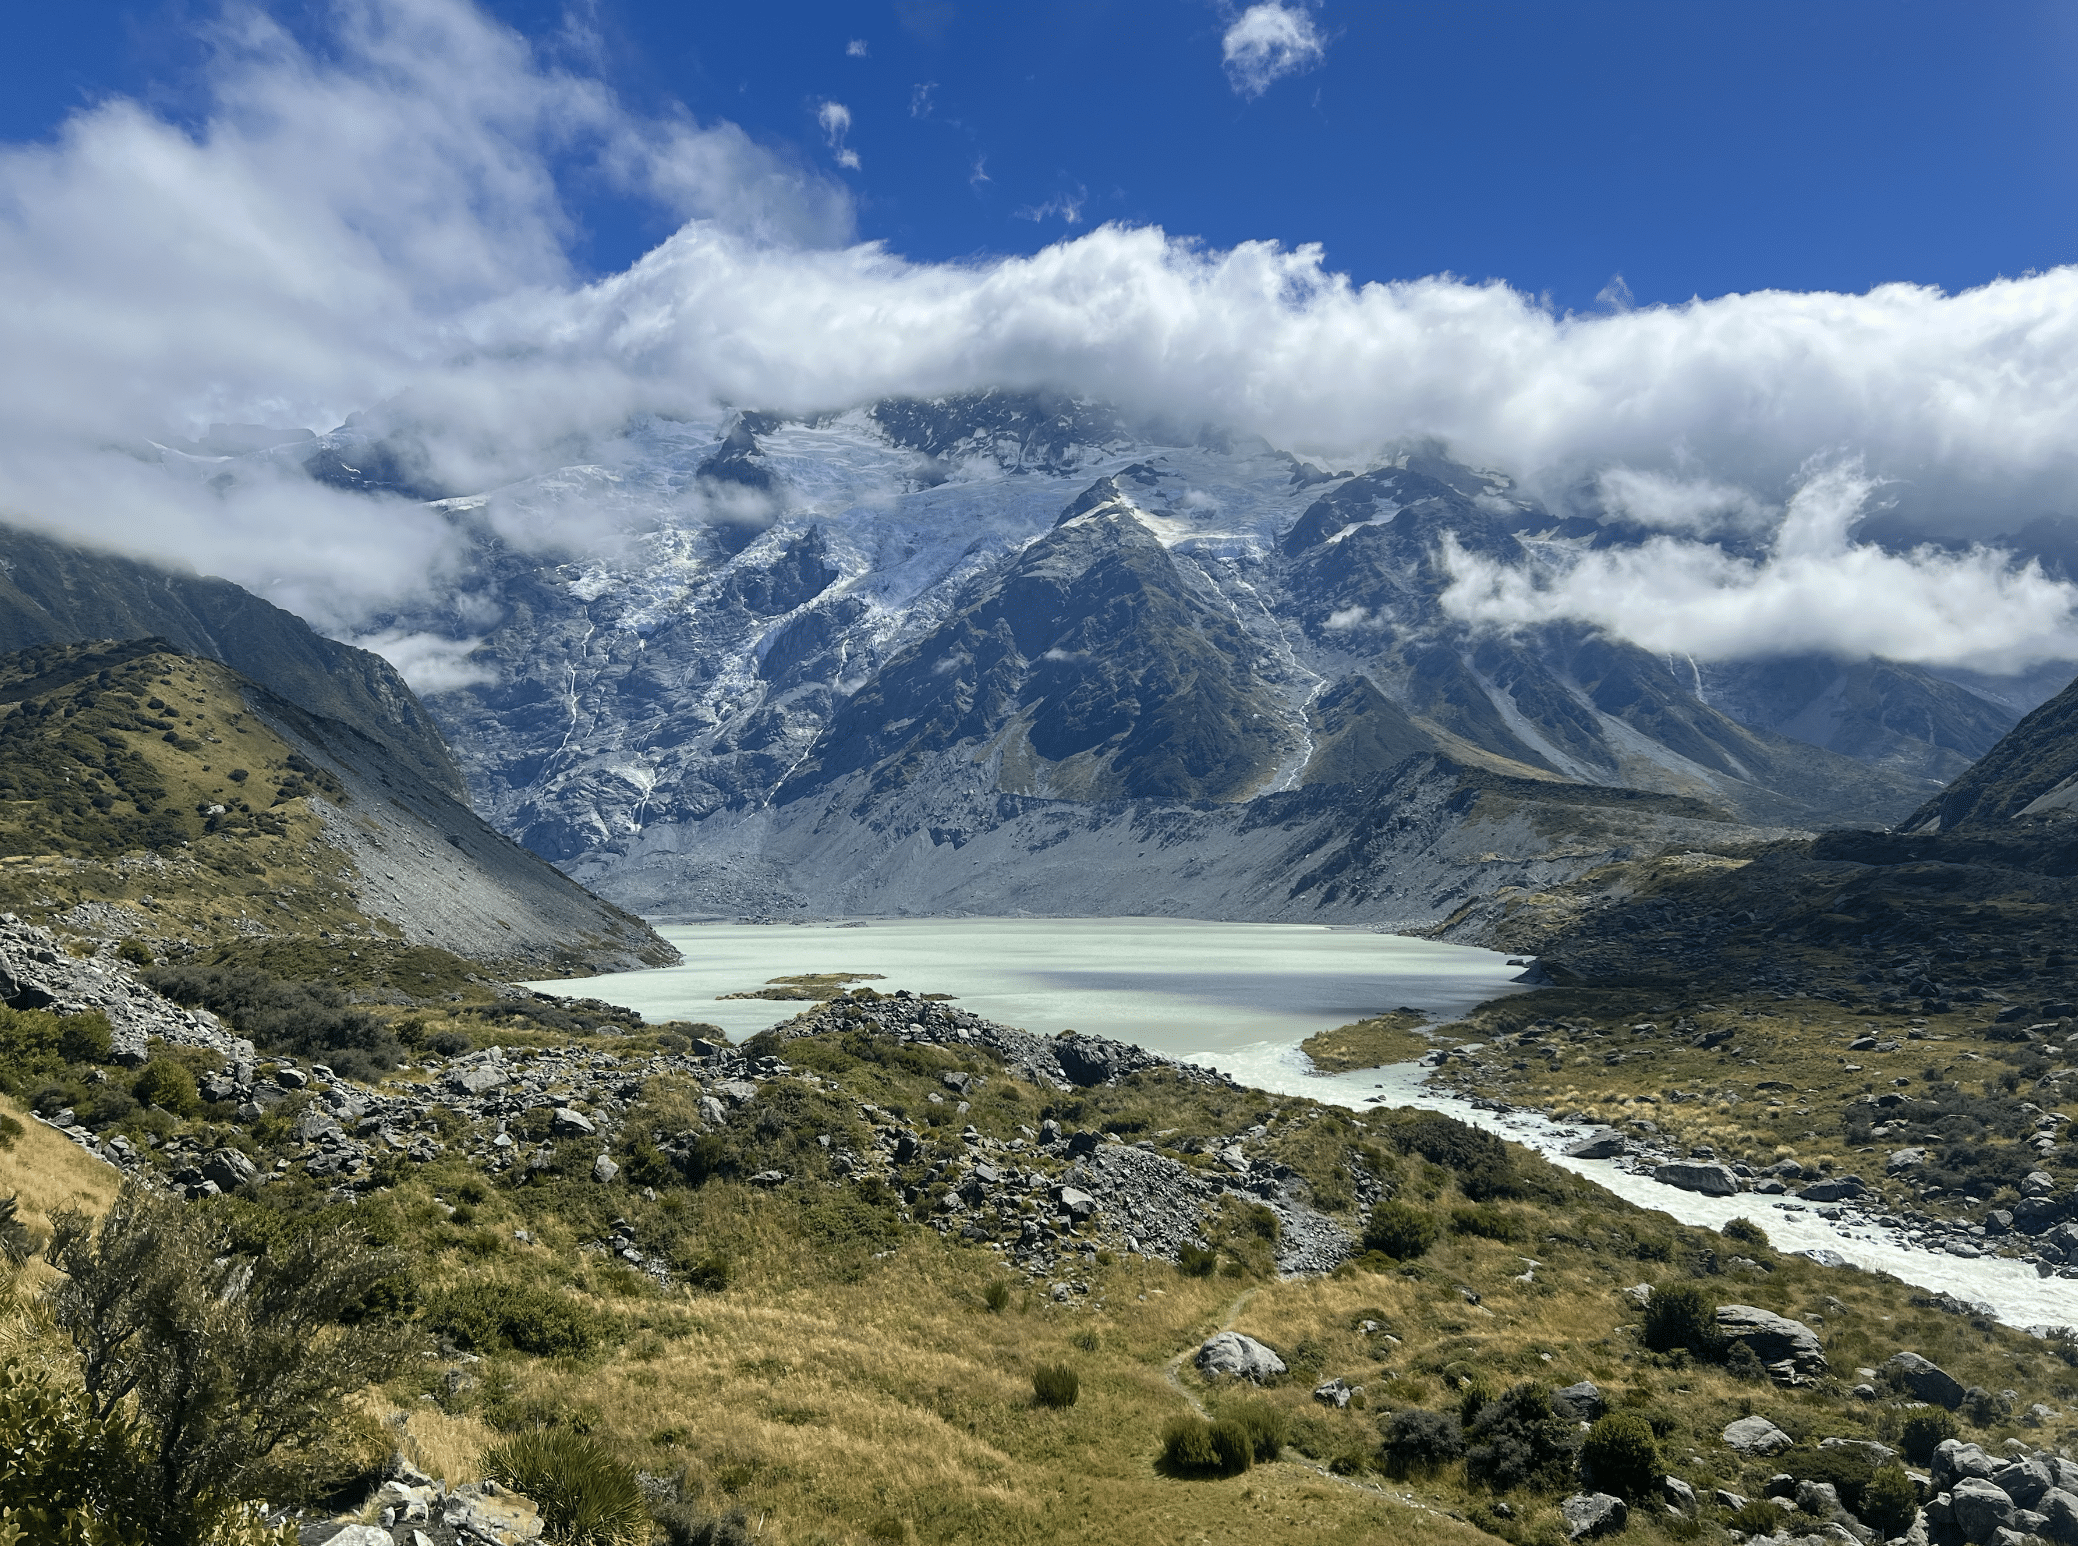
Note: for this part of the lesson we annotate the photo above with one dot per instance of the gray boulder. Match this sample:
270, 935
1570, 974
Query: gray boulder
2059, 1510
480, 1072
1678, 1494
1592, 1514
1582, 1402
1790, 1349
1334, 1393
1697, 1176
1075, 1202
1876, 1454
1925, 1379
604, 1169
567, 1123
1955, 1461
2024, 1481
347, 1535
1604, 1145
1238, 1357
228, 1168
1904, 1159
1981, 1510
1835, 1189
1756, 1436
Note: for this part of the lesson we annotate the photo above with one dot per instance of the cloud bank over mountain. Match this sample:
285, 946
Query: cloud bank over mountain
382, 216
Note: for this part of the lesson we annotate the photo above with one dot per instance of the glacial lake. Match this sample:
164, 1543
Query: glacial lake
1238, 997
1219, 993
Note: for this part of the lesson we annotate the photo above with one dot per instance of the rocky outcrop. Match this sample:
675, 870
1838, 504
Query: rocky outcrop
1589, 1515
37, 971
1926, 1380
1756, 1436
1789, 1349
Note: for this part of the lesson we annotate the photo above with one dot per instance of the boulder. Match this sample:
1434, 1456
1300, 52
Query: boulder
1603, 1145
1925, 1379
1334, 1393
1592, 1514
1835, 1189
2059, 1510
1075, 1202
1238, 1357
604, 1169
1981, 1510
2037, 1215
228, 1168
1711, 1180
1729, 1500
2026, 1482
567, 1123
495, 1513
1955, 1461
1904, 1159
1678, 1494
1582, 1402
482, 1071
344, 1535
737, 1092
1776, 1340
1756, 1436
1876, 1454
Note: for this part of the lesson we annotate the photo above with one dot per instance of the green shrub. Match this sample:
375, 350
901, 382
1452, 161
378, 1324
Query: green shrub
1055, 1385
1195, 1261
1757, 1517
1187, 1446
1399, 1230
1487, 1222
1517, 1441
1924, 1432
1681, 1315
1620, 1455
489, 1317
1848, 1470
1889, 1502
17, 1241
1745, 1364
586, 1496
1472, 1399
134, 951
996, 1296
1418, 1441
170, 1085
1233, 1444
708, 1271
1267, 1430
1745, 1231
36, 1045
62, 1480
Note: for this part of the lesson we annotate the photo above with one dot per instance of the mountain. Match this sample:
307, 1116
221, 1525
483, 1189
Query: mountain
150, 794
55, 593
2033, 771
921, 631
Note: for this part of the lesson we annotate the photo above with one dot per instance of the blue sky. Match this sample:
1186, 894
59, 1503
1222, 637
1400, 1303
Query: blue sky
1692, 149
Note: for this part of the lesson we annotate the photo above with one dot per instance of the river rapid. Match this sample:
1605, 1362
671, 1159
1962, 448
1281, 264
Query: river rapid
1240, 997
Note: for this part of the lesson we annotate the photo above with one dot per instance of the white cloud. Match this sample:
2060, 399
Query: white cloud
920, 99
1267, 42
378, 221
1065, 207
835, 119
855, 49
1816, 591
430, 663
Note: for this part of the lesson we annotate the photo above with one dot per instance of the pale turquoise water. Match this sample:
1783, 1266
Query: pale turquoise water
1176, 985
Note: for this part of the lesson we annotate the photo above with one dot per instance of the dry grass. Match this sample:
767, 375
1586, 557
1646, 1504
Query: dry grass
1393, 1038
48, 1171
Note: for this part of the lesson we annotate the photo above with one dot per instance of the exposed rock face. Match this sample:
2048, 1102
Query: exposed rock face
1981, 1510
1926, 1380
1756, 1436
1711, 1180
1954, 1461
1238, 1357
1790, 1349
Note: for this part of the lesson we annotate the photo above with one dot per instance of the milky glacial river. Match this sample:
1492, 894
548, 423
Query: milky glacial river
1238, 997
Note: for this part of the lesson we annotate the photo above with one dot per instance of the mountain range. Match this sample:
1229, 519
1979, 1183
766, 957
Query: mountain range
1004, 652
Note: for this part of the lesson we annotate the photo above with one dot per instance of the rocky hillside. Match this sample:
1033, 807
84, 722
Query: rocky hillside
54, 593
917, 1275
150, 796
2032, 771
786, 626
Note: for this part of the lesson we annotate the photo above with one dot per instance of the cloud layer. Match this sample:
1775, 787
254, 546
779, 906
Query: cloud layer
383, 216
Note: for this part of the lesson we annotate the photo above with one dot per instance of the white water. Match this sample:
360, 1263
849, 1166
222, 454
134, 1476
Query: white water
1238, 997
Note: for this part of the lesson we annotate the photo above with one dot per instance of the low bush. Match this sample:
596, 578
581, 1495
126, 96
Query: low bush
1399, 1230
1620, 1455
684, 1525
36, 1045
1745, 1364
1265, 1425
1518, 1441
1847, 1470
1745, 1231
996, 1296
1486, 1222
586, 1496
707, 1271
1890, 1502
1195, 1261
170, 1085
1681, 1315
1187, 1446
1233, 1444
18, 1241
490, 1317
1055, 1385
1757, 1516
1418, 1441
1924, 1432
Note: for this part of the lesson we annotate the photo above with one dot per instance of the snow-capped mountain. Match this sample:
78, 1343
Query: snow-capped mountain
891, 659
